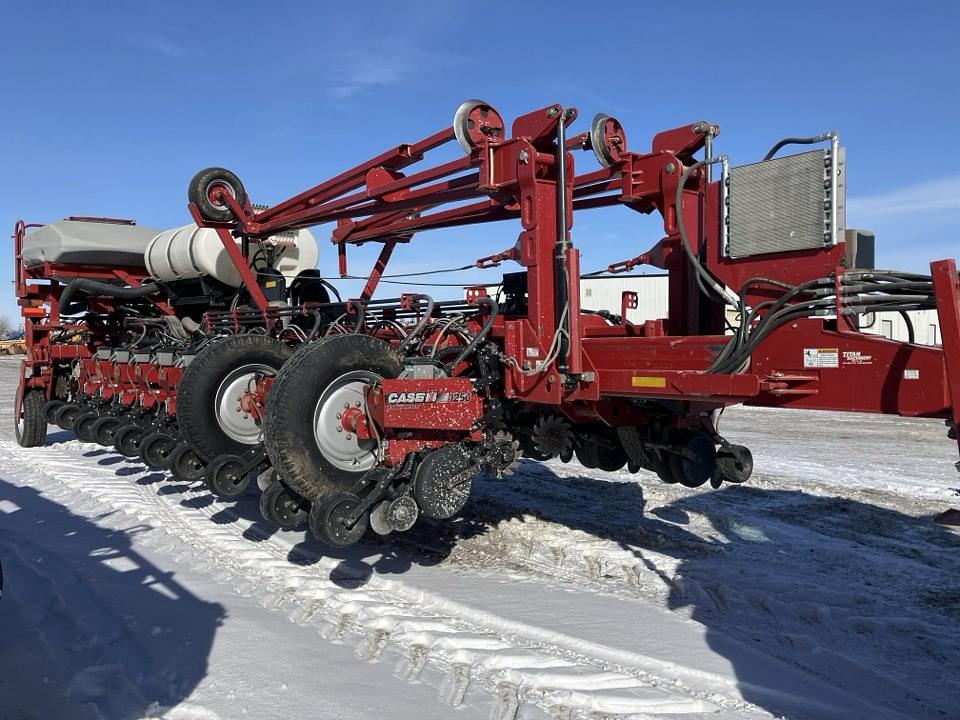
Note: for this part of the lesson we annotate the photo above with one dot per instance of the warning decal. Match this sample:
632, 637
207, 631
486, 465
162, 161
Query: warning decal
821, 357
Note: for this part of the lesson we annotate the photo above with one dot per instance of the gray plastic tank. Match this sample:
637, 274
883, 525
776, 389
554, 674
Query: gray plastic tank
87, 242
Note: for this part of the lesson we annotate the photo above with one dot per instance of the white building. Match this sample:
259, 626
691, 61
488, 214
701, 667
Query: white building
605, 293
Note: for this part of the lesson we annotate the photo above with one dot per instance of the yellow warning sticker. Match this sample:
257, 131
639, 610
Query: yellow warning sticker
648, 382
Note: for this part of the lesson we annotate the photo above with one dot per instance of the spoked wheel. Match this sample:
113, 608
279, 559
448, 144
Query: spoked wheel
67, 415
127, 438
330, 523
215, 394
315, 407
155, 449
204, 188
282, 507
225, 477
185, 464
30, 425
83, 425
103, 429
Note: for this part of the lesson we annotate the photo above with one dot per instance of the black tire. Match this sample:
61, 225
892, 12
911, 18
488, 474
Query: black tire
299, 386
155, 449
50, 410
326, 522
104, 428
225, 477
186, 465
67, 415
661, 466
585, 455
126, 440
735, 463
694, 473
83, 425
31, 426
203, 182
282, 508
197, 413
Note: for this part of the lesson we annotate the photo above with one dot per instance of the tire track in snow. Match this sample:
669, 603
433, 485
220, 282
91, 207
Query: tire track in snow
465, 653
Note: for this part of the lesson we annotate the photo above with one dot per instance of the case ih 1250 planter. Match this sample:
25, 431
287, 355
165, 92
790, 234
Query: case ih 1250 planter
388, 409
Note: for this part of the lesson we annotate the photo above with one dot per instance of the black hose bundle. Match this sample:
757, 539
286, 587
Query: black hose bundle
94, 287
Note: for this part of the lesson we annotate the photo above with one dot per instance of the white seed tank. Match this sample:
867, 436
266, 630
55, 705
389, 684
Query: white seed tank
190, 251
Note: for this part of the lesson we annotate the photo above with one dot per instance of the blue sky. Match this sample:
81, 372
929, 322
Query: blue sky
110, 108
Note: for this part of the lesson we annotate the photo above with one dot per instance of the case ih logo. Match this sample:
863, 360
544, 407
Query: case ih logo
410, 398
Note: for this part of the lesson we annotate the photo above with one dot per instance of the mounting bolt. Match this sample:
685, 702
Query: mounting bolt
552, 112
245, 416
339, 415
346, 406
358, 403
238, 408
348, 436
339, 428
523, 157
238, 398
669, 168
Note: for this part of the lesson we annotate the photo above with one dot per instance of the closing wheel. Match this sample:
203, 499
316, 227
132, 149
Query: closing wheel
50, 410
735, 463
474, 122
126, 439
207, 184
185, 464
315, 406
67, 415
103, 429
31, 425
155, 449
83, 425
215, 394
225, 477
329, 520
282, 508
695, 468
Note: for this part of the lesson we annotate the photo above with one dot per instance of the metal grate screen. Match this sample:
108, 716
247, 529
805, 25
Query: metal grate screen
780, 205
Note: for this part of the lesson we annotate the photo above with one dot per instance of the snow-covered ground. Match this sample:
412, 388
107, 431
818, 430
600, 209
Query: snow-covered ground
819, 590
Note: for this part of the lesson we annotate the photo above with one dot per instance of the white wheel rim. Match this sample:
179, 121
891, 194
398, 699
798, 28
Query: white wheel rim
235, 423
339, 445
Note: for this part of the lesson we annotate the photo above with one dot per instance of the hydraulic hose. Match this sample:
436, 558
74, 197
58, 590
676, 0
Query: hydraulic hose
812, 140
93, 287
702, 275
418, 328
484, 331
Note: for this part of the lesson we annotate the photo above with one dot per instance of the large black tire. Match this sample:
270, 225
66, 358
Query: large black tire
31, 426
206, 180
197, 406
293, 401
